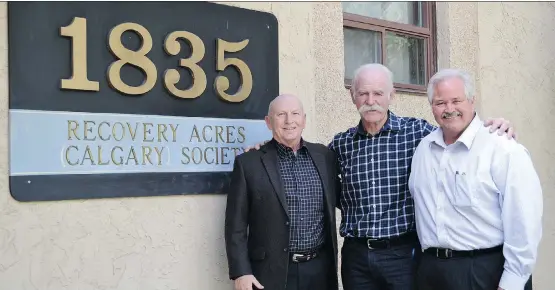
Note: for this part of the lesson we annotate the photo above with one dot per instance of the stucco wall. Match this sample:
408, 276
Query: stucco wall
509, 48
177, 242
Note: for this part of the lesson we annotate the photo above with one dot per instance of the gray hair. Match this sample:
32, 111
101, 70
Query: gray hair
372, 67
444, 74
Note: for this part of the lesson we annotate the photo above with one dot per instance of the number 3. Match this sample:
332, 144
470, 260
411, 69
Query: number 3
171, 77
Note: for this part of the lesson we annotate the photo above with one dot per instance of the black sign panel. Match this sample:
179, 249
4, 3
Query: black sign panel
191, 75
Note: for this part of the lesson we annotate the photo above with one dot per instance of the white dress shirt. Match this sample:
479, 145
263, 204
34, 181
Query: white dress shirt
479, 192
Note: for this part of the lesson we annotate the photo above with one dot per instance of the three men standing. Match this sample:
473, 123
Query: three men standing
478, 198
377, 209
280, 215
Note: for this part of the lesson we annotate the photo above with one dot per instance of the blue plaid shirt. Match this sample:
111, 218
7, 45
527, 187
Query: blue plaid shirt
375, 200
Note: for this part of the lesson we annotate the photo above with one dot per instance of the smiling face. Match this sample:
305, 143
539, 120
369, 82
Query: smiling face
451, 108
286, 119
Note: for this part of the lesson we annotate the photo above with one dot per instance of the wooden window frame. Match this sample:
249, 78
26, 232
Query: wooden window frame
427, 32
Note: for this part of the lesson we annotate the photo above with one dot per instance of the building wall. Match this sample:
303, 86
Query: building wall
177, 242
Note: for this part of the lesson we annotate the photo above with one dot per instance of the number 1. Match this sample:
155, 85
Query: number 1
77, 30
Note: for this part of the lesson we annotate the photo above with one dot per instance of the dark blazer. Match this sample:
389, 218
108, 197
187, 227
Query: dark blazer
256, 218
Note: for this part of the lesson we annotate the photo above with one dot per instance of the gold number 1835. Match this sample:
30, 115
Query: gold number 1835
77, 31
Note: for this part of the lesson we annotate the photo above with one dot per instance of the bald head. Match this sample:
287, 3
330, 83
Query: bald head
284, 99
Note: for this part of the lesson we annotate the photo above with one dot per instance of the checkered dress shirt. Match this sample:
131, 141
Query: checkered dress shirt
305, 199
375, 200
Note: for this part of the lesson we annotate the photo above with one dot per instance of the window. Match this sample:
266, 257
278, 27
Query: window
399, 35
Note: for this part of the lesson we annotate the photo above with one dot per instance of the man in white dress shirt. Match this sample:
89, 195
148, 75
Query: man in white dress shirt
478, 199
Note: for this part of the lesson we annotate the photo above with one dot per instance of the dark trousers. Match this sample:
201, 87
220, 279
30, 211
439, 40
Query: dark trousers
312, 274
482, 272
377, 269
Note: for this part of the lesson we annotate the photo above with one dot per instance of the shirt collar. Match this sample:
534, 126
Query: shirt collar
284, 150
392, 124
466, 138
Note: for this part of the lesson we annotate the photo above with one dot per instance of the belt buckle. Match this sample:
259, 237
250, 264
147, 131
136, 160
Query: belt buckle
448, 253
304, 257
368, 241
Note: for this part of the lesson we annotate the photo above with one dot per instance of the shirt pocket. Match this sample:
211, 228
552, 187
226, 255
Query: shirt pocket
464, 190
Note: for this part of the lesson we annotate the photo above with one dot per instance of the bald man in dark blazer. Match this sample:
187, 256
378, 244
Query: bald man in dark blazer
280, 228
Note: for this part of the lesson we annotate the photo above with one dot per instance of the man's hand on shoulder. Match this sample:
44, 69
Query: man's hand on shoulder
502, 126
257, 146
245, 282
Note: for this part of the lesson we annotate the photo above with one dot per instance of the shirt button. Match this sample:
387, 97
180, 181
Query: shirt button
302, 219
285, 249
374, 206
373, 182
286, 223
372, 160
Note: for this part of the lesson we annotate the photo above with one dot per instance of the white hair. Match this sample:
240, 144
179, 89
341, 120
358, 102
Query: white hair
445, 74
372, 67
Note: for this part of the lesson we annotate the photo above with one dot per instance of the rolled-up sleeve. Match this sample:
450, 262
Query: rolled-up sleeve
522, 210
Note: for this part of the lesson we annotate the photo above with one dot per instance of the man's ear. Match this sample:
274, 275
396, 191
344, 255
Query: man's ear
352, 93
268, 124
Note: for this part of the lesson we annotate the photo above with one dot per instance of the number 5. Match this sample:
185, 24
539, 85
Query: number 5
222, 82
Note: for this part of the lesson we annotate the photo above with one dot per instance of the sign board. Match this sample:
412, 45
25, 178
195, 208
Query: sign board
125, 99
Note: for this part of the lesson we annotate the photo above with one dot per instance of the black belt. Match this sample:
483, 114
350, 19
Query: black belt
299, 258
386, 243
304, 257
448, 253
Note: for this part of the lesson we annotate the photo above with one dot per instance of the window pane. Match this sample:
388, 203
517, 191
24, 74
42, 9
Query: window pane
401, 12
406, 58
361, 47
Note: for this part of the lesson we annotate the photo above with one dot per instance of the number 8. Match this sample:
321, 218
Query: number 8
136, 58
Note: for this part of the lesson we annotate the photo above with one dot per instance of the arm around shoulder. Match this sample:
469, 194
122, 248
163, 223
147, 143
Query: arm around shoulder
336, 175
236, 223
426, 127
